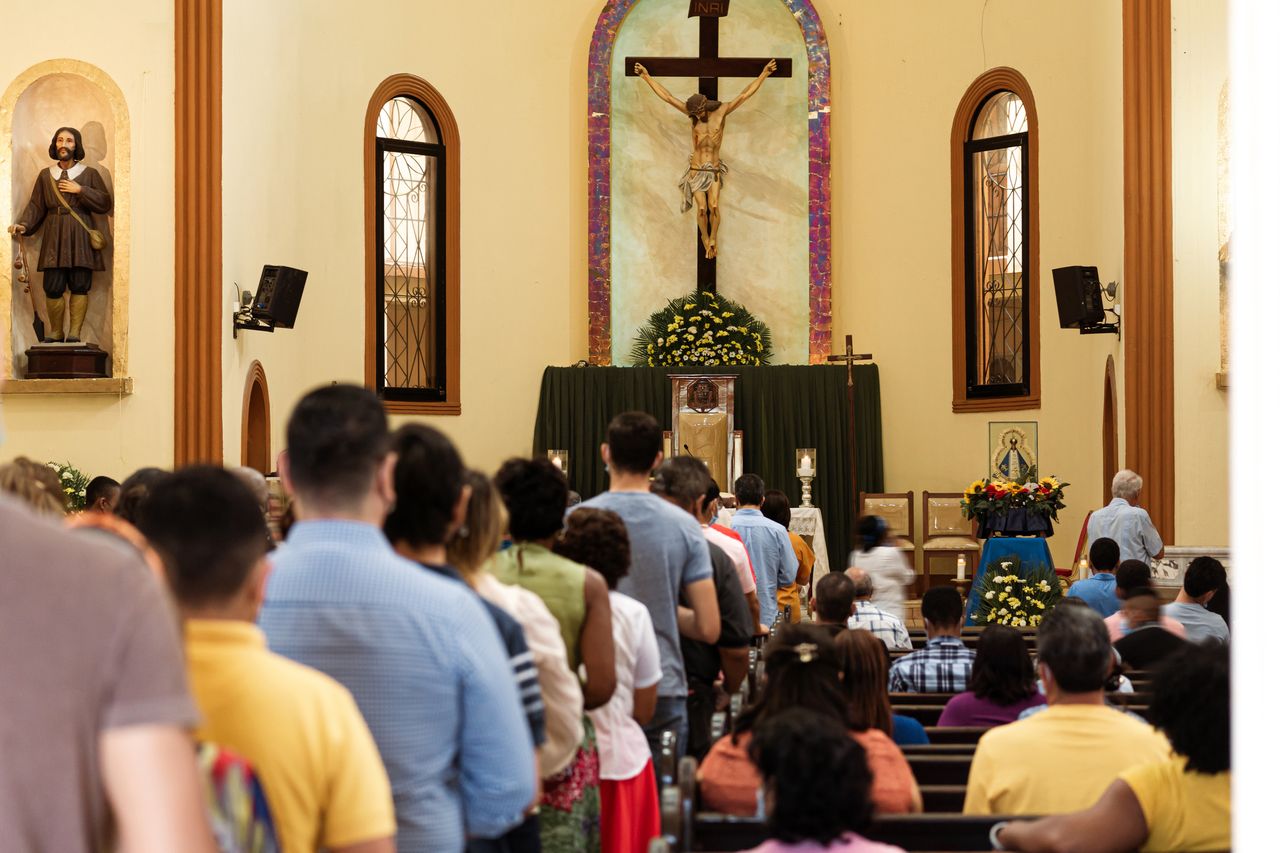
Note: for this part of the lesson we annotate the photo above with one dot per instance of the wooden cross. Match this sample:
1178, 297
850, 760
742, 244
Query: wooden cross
849, 357
708, 67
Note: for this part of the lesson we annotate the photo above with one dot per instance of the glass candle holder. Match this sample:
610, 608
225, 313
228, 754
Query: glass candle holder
806, 462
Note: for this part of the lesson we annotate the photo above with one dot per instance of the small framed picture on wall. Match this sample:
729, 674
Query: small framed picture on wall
1013, 449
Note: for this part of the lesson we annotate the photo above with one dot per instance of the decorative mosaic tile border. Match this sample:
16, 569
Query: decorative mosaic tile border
599, 281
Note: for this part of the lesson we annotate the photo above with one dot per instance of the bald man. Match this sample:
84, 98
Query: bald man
868, 617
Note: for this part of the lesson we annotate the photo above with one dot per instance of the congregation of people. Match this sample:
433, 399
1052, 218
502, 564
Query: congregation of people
422, 657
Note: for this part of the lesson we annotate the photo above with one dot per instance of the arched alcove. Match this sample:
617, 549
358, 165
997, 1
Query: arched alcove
812, 191
255, 426
66, 92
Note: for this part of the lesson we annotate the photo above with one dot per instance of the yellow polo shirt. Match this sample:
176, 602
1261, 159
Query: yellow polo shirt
1058, 760
301, 731
1184, 811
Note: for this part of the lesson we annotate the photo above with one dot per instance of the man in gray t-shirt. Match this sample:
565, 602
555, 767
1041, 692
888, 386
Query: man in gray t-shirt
668, 556
1204, 577
96, 712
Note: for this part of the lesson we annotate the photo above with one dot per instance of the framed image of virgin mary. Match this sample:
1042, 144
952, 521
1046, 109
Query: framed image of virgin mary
1013, 450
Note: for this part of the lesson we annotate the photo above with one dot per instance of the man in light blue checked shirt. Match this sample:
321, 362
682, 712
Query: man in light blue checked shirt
419, 653
767, 543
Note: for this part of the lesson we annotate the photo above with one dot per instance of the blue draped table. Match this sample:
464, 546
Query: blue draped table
1032, 552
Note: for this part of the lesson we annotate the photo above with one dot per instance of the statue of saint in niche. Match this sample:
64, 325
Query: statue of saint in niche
706, 173
64, 198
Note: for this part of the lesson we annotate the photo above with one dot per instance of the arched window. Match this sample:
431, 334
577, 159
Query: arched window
411, 236
995, 246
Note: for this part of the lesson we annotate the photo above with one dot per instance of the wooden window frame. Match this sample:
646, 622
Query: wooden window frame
409, 86
988, 84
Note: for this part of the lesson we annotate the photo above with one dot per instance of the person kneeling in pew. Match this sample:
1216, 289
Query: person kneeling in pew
1179, 803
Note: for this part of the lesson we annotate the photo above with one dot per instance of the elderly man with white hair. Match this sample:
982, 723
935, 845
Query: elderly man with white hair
1126, 522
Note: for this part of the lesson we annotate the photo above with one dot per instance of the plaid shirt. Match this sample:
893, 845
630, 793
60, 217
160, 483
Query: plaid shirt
889, 628
942, 666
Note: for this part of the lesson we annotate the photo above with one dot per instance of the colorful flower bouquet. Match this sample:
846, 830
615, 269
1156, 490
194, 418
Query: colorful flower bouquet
1007, 595
702, 329
1008, 508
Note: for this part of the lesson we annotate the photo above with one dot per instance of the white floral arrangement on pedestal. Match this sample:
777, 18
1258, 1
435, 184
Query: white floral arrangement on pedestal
1010, 595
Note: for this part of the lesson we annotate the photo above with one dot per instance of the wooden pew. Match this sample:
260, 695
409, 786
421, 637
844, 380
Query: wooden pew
686, 829
940, 769
943, 799
955, 734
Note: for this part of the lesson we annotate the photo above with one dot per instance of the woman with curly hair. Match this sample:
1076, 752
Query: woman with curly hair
1180, 803
536, 496
1002, 686
802, 670
629, 814
816, 785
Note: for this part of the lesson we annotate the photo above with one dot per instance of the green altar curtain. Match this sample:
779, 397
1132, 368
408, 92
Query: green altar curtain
777, 408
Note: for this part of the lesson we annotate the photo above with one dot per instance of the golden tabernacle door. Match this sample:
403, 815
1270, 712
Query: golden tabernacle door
702, 424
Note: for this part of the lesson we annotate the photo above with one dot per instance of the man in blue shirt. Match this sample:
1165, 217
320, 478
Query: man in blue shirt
418, 651
1127, 523
768, 544
1099, 591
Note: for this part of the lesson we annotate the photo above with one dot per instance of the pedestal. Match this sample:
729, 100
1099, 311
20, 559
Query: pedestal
66, 361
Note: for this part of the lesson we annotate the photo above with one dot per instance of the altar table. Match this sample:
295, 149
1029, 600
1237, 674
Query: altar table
1033, 552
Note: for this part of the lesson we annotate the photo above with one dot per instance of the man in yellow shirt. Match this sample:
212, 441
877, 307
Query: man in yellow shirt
1062, 758
1180, 803
300, 729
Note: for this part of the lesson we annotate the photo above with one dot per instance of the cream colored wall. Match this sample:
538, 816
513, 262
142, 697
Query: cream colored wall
900, 70
133, 44
1200, 67
297, 81
298, 78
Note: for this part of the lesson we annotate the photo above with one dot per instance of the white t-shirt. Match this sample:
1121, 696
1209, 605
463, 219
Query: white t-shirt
620, 741
737, 552
890, 573
561, 689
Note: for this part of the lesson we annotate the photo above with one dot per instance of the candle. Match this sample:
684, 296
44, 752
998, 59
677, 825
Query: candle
558, 462
806, 466
960, 567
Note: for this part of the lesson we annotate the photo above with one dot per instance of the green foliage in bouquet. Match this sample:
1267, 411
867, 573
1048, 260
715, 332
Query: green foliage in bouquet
74, 482
1009, 596
702, 329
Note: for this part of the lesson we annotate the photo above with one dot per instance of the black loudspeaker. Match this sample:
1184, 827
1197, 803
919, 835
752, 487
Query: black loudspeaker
1079, 297
279, 292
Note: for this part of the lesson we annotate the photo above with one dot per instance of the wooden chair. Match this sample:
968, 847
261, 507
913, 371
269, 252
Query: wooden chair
947, 533
898, 509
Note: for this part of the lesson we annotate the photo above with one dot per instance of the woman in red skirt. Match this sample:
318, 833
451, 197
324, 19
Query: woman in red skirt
629, 813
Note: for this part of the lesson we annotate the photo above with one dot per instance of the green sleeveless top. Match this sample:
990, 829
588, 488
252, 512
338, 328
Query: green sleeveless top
556, 580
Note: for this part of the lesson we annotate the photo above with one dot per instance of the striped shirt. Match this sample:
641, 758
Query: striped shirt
427, 669
942, 666
889, 628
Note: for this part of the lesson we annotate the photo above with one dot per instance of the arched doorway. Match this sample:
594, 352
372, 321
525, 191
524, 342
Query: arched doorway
255, 428
1110, 434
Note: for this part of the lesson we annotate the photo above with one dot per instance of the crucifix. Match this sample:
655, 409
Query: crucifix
849, 357
701, 184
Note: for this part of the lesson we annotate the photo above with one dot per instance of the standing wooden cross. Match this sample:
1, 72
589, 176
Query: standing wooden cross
849, 357
708, 67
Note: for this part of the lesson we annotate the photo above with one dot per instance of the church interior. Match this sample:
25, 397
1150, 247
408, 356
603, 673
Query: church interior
989, 240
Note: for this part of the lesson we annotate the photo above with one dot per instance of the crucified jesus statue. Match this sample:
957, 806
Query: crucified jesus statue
703, 180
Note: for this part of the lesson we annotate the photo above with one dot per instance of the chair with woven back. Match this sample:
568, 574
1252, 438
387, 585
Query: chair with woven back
898, 511
947, 534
